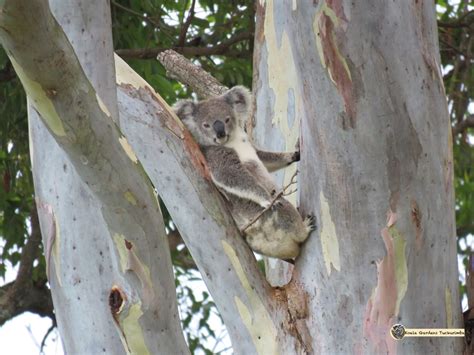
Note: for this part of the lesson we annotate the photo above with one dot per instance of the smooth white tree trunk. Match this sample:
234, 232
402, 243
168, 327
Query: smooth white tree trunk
86, 255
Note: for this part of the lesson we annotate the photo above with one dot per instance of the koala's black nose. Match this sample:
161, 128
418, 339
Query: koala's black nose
219, 128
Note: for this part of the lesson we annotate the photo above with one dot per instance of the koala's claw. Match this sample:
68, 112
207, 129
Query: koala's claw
310, 223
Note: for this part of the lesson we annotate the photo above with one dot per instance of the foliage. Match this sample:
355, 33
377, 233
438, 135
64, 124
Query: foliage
16, 192
159, 24
224, 28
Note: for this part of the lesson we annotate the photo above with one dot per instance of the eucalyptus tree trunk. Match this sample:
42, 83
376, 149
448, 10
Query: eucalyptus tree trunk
359, 83
108, 262
110, 269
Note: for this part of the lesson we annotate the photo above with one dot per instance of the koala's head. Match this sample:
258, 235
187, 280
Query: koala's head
212, 121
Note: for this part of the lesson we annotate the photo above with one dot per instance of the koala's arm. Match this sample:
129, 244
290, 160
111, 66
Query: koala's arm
231, 176
277, 160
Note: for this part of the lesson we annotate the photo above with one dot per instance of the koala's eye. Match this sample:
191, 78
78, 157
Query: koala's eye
206, 125
227, 119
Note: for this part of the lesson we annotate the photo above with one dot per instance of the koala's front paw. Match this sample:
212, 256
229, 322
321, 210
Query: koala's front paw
295, 156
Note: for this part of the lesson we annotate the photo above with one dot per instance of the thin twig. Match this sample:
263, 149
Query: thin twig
43, 342
277, 196
186, 24
136, 13
222, 48
164, 28
451, 47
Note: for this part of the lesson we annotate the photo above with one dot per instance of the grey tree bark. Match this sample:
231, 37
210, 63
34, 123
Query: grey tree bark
108, 260
139, 294
360, 84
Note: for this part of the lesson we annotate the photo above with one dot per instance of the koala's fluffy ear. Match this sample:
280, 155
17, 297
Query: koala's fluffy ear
184, 109
240, 99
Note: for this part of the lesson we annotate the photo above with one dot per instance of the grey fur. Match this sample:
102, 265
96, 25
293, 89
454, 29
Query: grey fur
241, 173
276, 161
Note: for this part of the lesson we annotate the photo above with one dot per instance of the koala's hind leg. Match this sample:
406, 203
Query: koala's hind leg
276, 248
276, 160
264, 239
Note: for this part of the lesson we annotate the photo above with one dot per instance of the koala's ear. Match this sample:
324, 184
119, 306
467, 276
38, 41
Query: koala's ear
239, 98
184, 109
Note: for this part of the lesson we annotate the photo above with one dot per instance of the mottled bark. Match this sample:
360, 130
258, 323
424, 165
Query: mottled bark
179, 68
360, 84
100, 221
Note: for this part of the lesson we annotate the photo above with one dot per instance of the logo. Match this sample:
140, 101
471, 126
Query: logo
397, 331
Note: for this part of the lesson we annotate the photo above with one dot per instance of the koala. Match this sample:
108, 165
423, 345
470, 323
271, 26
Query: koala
242, 173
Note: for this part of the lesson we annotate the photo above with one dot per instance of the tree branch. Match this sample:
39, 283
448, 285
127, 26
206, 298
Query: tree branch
43, 342
181, 69
451, 47
459, 22
30, 250
461, 126
31, 297
23, 294
220, 49
186, 24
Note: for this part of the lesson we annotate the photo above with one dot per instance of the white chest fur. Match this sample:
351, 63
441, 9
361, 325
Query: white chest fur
242, 146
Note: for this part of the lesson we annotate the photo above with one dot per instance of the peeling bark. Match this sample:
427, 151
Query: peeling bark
362, 82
